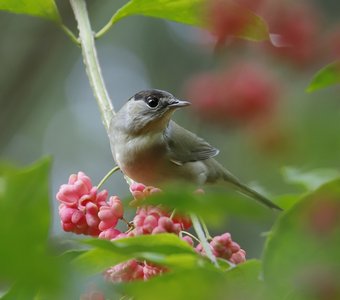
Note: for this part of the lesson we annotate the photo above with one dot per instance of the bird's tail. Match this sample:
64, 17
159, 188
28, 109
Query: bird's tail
242, 188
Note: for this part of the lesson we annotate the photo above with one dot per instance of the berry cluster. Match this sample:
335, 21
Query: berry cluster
246, 92
80, 204
85, 210
223, 246
133, 270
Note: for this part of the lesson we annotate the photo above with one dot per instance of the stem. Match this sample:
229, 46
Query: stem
70, 34
200, 233
91, 62
116, 168
120, 13
173, 214
191, 235
206, 231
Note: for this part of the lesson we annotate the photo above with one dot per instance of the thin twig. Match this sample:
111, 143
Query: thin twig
191, 235
206, 230
203, 240
70, 34
116, 168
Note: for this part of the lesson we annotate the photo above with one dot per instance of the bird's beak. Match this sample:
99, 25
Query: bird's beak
175, 103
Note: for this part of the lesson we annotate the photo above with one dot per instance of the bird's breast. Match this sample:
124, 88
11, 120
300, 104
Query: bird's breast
145, 160
141, 158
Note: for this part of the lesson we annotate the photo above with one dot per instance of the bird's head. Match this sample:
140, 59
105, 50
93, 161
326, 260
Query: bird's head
150, 110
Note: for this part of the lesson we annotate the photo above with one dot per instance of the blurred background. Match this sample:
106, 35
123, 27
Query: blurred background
249, 98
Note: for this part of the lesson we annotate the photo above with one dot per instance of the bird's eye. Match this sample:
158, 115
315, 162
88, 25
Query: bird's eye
152, 101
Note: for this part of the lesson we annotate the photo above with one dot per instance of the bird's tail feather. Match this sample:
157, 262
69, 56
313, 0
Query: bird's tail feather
242, 188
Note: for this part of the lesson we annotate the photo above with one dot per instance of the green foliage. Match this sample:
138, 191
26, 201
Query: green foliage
301, 259
214, 206
197, 283
166, 249
188, 12
302, 253
304, 245
310, 180
24, 226
325, 77
201, 282
40, 8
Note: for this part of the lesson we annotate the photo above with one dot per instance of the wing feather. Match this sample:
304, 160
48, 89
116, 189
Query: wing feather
184, 146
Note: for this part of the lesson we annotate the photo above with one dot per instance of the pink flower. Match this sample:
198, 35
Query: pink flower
227, 18
80, 204
189, 240
110, 213
133, 270
109, 234
298, 24
151, 270
224, 247
238, 257
244, 93
139, 192
156, 219
126, 271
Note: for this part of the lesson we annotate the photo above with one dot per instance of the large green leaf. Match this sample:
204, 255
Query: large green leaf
301, 257
40, 8
24, 226
201, 283
244, 282
190, 12
166, 249
327, 76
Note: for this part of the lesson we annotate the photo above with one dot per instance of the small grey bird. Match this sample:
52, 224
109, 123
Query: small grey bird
152, 149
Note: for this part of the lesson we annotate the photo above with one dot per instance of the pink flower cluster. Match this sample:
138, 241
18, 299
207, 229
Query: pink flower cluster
85, 210
80, 205
133, 270
222, 246
244, 93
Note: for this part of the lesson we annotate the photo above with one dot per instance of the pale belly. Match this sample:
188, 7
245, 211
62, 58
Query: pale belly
145, 160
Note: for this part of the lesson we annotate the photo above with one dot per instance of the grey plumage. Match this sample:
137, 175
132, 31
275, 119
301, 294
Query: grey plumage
152, 149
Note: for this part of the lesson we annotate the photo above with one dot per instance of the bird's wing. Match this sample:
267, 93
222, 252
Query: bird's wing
184, 146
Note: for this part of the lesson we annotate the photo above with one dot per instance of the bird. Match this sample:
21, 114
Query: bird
152, 149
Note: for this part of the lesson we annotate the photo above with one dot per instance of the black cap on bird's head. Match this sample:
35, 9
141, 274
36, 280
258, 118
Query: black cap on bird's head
158, 99
151, 108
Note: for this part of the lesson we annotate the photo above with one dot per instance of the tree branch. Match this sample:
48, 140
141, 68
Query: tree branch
91, 62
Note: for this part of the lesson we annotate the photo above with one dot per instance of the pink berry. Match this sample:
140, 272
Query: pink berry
158, 229
238, 257
109, 234
127, 271
117, 207
106, 213
151, 270
166, 223
188, 239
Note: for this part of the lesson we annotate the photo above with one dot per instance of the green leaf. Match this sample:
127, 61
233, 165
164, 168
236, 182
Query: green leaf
301, 257
167, 249
24, 227
190, 12
201, 283
310, 180
40, 8
214, 206
325, 77
287, 201
243, 281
